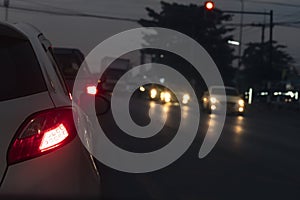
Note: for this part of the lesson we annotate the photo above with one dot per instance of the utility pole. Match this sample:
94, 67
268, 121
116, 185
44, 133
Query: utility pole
263, 26
263, 31
241, 35
271, 38
271, 28
271, 52
6, 5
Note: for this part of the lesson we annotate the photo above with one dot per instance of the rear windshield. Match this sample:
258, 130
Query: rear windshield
229, 92
69, 62
20, 71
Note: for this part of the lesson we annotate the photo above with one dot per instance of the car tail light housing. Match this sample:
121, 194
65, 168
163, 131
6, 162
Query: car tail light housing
41, 133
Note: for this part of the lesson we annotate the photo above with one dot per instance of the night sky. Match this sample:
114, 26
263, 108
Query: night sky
86, 33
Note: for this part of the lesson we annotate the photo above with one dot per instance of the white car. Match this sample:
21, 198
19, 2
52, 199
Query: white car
41, 154
214, 99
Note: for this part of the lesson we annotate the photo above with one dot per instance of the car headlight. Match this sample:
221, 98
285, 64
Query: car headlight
241, 109
213, 100
185, 98
142, 89
153, 93
162, 96
167, 97
241, 103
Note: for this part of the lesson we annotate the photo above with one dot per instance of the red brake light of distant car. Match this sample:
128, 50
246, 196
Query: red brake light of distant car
92, 90
42, 133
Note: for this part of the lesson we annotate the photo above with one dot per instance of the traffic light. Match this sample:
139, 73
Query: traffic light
209, 5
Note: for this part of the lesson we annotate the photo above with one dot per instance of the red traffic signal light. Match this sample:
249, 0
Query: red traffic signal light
209, 5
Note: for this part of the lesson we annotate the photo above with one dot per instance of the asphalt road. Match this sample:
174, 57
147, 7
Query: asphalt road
256, 157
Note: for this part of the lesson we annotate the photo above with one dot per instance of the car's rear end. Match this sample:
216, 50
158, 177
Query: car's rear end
41, 154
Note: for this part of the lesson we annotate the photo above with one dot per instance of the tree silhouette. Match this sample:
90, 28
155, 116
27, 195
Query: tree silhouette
257, 63
206, 27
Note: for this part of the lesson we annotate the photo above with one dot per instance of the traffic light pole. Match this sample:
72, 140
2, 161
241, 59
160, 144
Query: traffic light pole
241, 35
271, 27
271, 38
270, 14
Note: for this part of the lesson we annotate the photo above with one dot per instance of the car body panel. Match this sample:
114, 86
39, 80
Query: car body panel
11, 119
230, 100
53, 78
67, 171
71, 178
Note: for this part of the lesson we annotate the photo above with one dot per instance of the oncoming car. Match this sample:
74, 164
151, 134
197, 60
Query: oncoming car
214, 99
162, 94
41, 154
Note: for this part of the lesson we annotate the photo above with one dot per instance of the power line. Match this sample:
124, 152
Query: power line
289, 22
289, 17
275, 3
281, 23
46, 5
72, 14
290, 26
78, 14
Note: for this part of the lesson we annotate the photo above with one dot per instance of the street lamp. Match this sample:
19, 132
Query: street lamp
232, 42
271, 27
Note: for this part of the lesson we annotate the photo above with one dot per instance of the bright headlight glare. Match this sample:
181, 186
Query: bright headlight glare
241, 102
142, 89
213, 107
162, 96
167, 96
186, 97
241, 109
184, 101
213, 100
153, 93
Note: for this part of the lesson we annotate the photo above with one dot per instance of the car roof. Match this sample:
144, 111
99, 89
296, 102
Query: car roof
20, 30
11, 31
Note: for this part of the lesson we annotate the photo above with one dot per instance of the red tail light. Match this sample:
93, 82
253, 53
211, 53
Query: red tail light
42, 133
92, 90
53, 137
